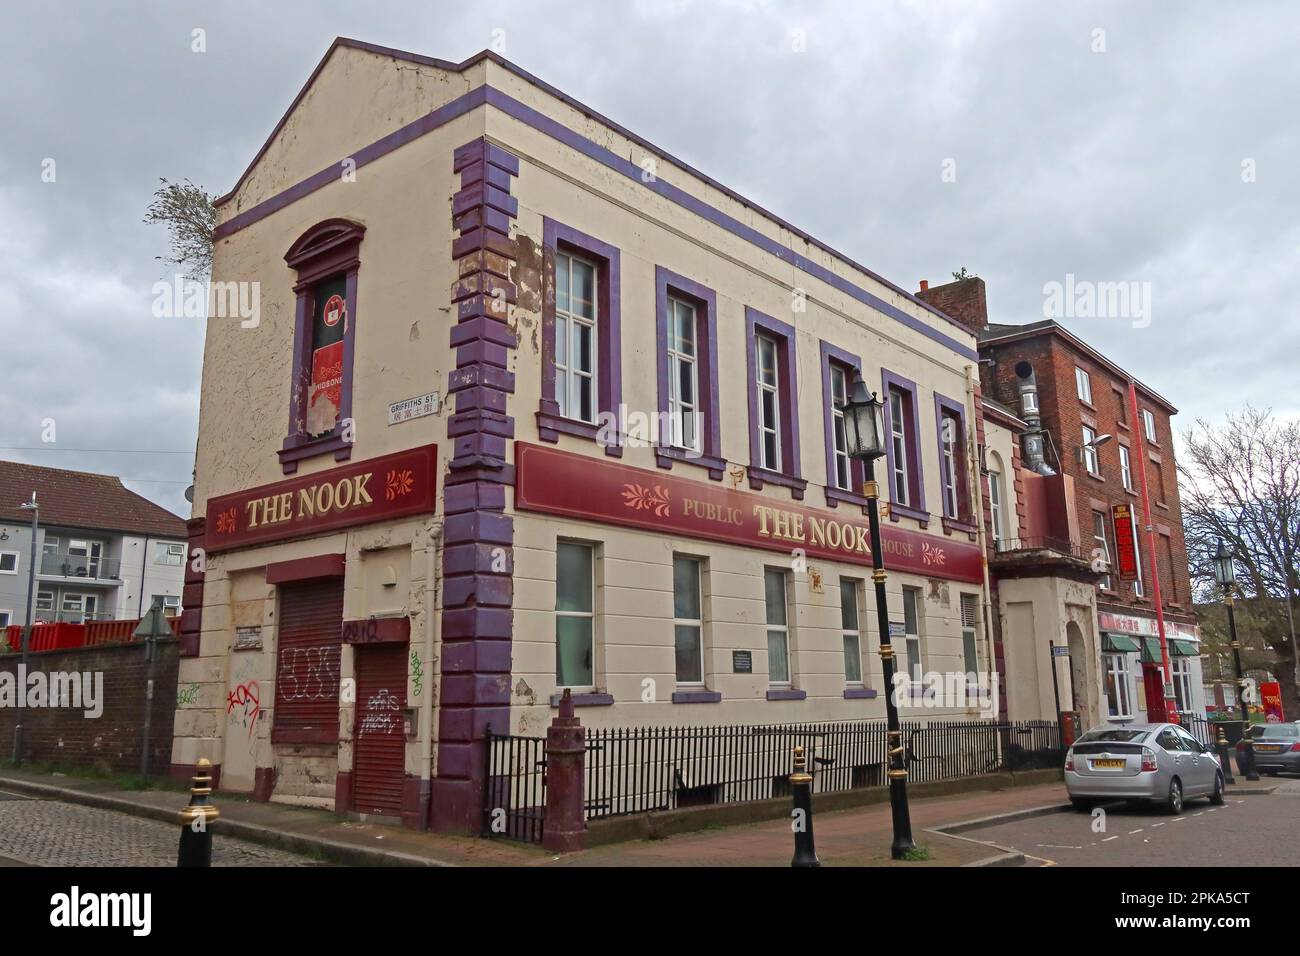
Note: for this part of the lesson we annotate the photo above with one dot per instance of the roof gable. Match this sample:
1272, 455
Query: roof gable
79, 499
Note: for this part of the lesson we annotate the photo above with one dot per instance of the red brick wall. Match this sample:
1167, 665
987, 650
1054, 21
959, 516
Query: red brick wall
963, 300
1064, 416
110, 743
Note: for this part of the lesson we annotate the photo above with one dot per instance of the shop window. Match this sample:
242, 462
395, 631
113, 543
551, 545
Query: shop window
1116, 669
1180, 669
688, 621
575, 617
326, 259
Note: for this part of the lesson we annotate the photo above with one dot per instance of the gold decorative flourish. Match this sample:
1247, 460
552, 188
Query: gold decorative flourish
399, 483
645, 498
226, 521
932, 555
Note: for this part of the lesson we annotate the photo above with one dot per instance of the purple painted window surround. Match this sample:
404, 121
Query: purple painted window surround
788, 476
962, 520
859, 693
586, 700
557, 237
697, 696
705, 300
786, 693
326, 249
832, 355
916, 480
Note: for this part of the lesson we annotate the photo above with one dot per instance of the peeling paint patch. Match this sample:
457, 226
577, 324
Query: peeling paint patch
526, 274
414, 335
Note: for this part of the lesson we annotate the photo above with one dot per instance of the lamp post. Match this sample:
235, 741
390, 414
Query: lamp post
1226, 575
35, 509
865, 436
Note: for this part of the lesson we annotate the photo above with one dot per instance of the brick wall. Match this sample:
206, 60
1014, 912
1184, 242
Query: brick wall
1064, 415
963, 300
111, 742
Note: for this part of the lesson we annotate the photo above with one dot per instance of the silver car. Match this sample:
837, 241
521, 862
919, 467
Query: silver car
1157, 763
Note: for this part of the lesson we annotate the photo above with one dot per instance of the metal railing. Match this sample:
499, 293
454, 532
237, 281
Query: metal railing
80, 566
1074, 549
1198, 726
640, 769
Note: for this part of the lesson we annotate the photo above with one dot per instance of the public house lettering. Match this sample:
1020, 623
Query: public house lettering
779, 524
313, 501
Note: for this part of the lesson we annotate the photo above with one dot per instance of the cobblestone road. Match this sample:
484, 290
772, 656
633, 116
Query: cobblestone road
48, 833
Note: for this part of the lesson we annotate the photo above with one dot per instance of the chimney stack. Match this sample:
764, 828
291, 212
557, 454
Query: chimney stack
925, 285
962, 300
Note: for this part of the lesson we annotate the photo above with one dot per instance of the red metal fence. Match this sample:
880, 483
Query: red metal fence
60, 636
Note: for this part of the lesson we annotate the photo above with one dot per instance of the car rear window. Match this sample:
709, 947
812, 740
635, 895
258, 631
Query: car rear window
1278, 730
1115, 734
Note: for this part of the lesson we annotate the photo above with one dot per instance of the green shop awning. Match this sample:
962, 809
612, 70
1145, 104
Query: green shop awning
1177, 648
1119, 643
1183, 649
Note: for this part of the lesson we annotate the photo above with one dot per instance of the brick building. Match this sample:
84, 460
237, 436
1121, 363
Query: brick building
1093, 437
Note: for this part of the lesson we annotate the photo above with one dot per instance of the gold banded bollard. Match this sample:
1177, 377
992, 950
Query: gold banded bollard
1225, 755
805, 853
196, 820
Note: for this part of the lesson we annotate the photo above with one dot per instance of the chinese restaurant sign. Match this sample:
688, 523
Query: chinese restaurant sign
391, 486
1270, 695
1125, 541
578, 486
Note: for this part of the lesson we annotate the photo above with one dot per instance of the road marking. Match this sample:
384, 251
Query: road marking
1138, 830
1178, 820
1198, 813
1157, 824
1108, 839
1058, 846
1212, 810
1040, 859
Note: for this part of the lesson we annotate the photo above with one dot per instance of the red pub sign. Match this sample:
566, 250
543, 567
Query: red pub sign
391, 486
578, 486
1126, 559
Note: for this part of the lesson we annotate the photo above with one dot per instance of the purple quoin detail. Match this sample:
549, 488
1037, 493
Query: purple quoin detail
477, 556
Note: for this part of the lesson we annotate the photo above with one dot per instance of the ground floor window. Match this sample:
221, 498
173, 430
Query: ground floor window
1118, 702
778, 632
912, 632
688, 623
852, 630
970, 617
575, 614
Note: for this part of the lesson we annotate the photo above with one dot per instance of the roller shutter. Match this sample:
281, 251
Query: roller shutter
379, 749
309, 639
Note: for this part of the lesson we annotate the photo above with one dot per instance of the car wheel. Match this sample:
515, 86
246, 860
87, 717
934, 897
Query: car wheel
1216, 797
1174, 803
1081, 806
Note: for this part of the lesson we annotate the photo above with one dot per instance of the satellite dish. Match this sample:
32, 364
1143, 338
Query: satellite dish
189, 494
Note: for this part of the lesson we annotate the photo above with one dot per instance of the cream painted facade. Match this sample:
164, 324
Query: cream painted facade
403, 326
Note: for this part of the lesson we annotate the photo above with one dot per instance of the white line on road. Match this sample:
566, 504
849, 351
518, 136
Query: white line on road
1138, 830
1108, 839
1057, 846
1157, 824
1179, 820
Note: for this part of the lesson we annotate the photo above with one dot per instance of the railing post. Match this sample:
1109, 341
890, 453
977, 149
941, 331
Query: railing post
565, 828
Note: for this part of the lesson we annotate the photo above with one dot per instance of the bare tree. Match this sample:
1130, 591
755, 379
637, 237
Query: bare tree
187, 211
1240, 481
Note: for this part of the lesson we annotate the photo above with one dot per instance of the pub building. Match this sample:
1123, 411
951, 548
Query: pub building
561, 414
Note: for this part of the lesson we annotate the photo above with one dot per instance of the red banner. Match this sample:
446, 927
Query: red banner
1126, 559
391, 486
1270, 695
579, 486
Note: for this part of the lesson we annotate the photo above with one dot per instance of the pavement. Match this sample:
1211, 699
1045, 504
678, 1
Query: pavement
856, 837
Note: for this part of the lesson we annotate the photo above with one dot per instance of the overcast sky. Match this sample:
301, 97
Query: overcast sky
1115, 142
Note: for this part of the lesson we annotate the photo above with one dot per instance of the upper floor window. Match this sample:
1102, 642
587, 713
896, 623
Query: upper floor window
168, 552
1149, 425
844, 476
768, 383
326, 259
839, 437
1101, 545
1125, 468
951, 421
903, 449
686, 331
171, 603
1090, 451
581, 353
995, 501
773, 415
1083, 385
1138, 589
8, 562
575, 337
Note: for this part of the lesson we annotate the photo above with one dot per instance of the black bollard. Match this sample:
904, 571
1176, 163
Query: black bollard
1225, 756
805, 854
196, 820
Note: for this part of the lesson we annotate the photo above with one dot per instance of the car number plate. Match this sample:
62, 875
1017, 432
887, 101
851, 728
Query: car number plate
1108, 764
1268, 748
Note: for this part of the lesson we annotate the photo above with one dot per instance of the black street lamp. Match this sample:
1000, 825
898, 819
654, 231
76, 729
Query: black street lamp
1226, 574
865, 433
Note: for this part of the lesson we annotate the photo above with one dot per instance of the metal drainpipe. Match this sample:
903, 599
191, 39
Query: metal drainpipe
139, 608
973, 471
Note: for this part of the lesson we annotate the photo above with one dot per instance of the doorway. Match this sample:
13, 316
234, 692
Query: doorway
379, 748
